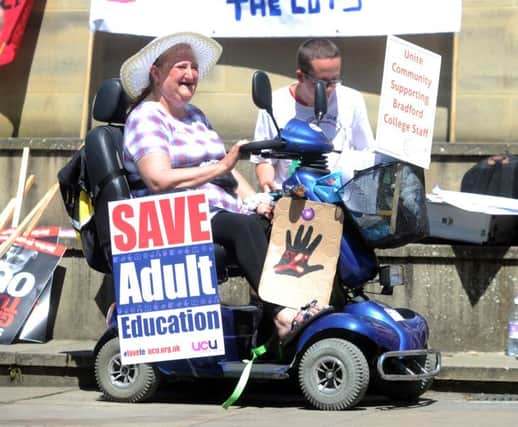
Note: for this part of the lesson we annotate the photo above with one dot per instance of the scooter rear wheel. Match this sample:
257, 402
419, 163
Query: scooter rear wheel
333, 374
124, 383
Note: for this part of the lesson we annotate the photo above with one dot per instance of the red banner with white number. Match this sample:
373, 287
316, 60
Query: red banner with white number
16, 15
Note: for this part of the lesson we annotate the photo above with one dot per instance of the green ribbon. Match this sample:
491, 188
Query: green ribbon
241, 384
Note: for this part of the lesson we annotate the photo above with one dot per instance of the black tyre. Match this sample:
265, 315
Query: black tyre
124, 383
333, 374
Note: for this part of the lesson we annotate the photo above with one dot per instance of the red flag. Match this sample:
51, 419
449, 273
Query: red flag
16, 15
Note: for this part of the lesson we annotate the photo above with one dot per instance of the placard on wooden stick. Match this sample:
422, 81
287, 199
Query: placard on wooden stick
302, 254
406, 114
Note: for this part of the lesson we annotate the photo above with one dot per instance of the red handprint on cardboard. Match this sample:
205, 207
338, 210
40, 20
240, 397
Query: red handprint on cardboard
295, 259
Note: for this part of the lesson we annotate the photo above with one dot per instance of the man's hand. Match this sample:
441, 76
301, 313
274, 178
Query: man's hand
265, 176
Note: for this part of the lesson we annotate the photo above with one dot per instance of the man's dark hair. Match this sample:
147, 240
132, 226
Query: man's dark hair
315, 49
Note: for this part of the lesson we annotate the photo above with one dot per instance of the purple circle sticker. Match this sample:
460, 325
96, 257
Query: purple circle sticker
308, 214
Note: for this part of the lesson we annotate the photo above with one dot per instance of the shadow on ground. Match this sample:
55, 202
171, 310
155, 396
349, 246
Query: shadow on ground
281, 394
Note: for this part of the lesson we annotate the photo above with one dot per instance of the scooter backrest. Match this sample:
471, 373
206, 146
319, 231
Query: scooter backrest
111, 103
103, 152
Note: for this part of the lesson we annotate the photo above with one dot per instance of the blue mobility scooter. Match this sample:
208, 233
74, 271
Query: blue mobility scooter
336, 357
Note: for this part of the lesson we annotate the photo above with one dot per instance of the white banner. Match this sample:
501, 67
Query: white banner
276, 18
408, 102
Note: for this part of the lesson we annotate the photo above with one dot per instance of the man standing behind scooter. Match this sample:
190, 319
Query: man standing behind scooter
345, 124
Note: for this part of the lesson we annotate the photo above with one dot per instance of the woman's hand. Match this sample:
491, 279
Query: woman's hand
231, 158
260, 203
265, 209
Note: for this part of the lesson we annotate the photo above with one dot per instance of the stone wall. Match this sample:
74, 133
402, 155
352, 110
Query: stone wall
464, 291
487, 84
43, 91
48, 155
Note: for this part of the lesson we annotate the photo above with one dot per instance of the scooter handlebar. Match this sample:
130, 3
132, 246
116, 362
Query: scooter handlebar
255, 147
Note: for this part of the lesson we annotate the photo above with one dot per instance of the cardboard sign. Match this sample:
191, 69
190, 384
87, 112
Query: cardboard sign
408, 100
165, 278
25, 271
301, 260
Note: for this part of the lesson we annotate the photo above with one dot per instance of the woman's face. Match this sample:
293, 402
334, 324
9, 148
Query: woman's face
176, 76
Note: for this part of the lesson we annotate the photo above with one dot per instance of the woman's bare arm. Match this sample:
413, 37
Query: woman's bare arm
158, 175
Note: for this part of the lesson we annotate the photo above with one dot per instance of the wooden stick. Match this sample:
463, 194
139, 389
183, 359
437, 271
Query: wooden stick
21, 184
85, 115
395, 200
8, 211
28, 184
452, 137
41, 205
34, 221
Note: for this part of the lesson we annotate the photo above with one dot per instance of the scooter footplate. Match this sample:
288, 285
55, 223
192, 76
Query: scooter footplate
270, 371
409, 365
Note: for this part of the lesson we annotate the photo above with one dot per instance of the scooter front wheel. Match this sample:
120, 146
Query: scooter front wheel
124, 383
333, 374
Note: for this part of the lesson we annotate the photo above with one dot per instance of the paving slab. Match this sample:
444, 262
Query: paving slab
479, 366
54, 353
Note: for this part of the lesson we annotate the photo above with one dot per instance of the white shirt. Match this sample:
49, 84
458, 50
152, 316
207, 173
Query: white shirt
346, 124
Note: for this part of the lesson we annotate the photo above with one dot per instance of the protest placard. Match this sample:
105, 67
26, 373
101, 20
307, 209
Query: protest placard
37, 325
25, 271
165, 278
408, 102
301, 260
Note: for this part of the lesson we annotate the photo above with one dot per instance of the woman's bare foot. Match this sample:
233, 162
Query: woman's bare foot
284, 321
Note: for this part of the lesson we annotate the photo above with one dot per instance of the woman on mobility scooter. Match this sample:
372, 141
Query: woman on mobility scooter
170, 145
336, 357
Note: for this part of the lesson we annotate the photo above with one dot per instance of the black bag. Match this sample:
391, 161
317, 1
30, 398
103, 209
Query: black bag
495, 176
77, 198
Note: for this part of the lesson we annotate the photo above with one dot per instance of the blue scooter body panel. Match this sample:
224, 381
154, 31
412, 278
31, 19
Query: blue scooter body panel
304, 138
375, 321
371, 319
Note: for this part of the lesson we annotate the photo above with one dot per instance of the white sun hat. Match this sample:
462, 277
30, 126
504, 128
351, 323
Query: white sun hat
134, 72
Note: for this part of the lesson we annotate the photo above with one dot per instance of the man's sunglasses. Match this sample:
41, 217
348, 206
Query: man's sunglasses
327, 83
